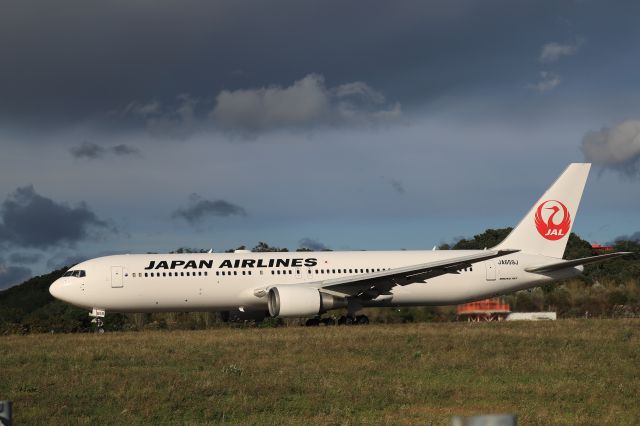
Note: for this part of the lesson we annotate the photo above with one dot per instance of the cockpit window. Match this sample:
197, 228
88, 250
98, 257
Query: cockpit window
77, 273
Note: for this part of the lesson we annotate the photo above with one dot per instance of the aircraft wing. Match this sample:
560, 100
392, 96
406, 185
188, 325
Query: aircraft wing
550, 267
370, 286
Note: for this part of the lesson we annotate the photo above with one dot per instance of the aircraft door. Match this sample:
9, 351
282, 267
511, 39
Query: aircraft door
491, 270
116, 276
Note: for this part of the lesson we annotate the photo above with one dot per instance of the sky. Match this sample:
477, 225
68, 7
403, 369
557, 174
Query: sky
144, 126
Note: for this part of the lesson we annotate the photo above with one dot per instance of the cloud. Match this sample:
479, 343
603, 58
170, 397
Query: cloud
25, 258
311, 244
304, 104
143, 110
60, 260
87, 150
177, 120
92, 151
123, 150
616, 148
200, 208
551, 52
31, 220
12, 275
548, 81
397, 185
633, 237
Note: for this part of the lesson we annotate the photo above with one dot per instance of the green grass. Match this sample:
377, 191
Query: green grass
563, 372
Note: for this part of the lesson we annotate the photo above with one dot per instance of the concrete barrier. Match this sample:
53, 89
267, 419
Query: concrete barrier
5, 413
485, 420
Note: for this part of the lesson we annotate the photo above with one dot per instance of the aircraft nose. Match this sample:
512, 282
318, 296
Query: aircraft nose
56, 289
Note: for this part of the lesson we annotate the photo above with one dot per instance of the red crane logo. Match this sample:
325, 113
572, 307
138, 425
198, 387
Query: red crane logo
553, 220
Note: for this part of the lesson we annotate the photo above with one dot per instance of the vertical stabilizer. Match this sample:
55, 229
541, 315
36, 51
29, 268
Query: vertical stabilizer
545, 229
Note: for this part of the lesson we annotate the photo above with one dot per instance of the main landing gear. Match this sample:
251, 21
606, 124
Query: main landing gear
343, 320
353, 320
316, 321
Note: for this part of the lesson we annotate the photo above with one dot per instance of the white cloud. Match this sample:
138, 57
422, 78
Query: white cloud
551, 52
615, 148
548, 81
306, 103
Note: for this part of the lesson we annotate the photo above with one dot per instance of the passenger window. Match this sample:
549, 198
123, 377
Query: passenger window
235, 272
146, 274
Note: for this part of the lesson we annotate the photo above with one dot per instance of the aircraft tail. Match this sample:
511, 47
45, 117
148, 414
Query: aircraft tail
545, 229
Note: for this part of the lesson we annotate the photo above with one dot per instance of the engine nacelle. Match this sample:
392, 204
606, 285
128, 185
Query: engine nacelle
299, 301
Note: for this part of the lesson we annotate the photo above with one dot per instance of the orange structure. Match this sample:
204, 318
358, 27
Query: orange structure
484, 310
601, 248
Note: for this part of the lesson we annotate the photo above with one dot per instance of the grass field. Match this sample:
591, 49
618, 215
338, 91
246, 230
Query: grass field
562, 372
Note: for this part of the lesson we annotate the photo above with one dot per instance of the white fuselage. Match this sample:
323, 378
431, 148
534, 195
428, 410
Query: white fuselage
230, 281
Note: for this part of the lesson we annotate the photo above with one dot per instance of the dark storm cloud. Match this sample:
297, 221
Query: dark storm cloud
615, 148
311, 244
199, 208
75, 60
12, 275
25, 258
397, 185
87, 150
65, 260
633, 237
32, 220
92, 151
124, 150
177, 119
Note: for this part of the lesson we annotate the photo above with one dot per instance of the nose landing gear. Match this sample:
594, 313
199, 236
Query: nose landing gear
97, 315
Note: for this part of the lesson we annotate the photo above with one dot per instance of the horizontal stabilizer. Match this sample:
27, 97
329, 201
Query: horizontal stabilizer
572, 263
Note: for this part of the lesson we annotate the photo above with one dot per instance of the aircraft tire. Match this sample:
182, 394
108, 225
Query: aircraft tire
327, 321
312, 322
362, 319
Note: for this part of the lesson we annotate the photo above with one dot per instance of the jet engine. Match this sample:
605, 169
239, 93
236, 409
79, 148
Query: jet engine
299, 301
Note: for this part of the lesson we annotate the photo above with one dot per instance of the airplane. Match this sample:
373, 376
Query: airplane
309, 284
